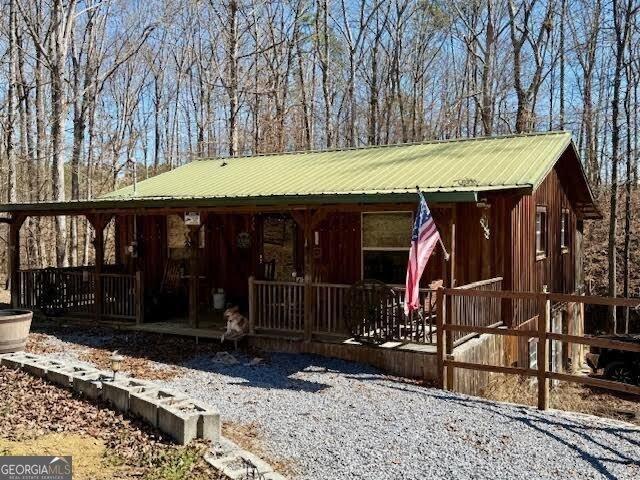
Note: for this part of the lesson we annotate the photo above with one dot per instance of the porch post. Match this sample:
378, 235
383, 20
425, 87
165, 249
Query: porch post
98, 222
139, 297
193, 275
14, 259
252, 305
304, 220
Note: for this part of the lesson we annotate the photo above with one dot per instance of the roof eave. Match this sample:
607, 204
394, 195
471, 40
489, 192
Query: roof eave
113, 204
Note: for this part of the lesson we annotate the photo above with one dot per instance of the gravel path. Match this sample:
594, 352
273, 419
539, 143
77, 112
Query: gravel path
340, 420
333, 420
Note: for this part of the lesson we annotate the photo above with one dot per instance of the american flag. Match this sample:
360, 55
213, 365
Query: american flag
424, 239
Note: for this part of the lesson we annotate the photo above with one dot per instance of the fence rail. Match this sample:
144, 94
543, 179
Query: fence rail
542, 333
72, 292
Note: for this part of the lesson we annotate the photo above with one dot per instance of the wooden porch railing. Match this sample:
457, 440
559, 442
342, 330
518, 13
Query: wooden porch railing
283, 307
475, 311
72, 292
278, 305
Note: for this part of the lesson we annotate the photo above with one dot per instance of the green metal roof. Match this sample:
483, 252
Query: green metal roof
446, 171
473, 165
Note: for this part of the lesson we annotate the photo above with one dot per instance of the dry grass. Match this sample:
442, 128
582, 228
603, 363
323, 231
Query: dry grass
566, 396
88, 453
5, 296
249, 437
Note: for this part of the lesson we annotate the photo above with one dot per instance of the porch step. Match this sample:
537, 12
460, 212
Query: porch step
171, 328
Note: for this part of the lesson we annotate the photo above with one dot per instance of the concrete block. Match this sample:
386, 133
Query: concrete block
63, 376
17, 360
89, 384
118, 393
145, 404
187, 420
242, 464
39, 368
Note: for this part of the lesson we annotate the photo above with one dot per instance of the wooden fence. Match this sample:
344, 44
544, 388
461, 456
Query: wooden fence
542, 333
73, 292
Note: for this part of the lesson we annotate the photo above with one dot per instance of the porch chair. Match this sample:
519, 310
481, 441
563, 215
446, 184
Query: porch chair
168, 301
269, 270
171, 281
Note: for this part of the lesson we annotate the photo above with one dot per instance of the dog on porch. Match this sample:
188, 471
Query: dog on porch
237, 325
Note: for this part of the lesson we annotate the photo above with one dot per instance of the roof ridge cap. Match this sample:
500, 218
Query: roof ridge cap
389, 145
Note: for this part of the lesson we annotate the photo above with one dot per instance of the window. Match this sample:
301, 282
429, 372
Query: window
541, 232
564, 231
386, 238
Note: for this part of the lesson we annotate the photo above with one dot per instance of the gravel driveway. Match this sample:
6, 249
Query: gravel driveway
341, 420
331, 419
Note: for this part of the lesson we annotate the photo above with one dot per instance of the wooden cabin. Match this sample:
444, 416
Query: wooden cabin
285, 236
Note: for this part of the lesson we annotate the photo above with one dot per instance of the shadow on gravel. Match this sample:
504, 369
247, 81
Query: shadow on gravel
151, 346
279, 369
554, 427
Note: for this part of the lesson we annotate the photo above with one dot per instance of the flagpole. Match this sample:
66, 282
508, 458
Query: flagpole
444, 249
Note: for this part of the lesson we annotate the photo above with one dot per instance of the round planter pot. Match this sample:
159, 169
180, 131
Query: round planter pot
14, 329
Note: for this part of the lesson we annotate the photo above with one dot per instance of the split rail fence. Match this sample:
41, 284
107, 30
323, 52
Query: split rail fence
465, 298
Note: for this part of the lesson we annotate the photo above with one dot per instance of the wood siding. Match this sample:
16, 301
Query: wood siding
509, 251
557, 270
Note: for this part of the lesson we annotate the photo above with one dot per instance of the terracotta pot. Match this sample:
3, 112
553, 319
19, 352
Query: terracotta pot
14, 329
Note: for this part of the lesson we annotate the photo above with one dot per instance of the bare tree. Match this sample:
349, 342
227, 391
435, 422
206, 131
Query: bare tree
526, 31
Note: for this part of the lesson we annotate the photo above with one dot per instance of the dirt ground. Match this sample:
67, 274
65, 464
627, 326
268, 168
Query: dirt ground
41, 418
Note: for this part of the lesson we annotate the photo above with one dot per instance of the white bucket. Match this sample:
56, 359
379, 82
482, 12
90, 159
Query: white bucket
219, 299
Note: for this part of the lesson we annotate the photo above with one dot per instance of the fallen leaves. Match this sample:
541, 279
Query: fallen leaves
32, 408
148, 356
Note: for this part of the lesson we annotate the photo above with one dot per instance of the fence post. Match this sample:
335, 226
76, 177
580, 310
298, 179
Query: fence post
440, 336
544, 312
252, 305
139, 297
308, 300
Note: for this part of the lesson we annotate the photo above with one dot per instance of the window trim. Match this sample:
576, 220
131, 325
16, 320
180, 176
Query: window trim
565, 241
380, 249
544, 234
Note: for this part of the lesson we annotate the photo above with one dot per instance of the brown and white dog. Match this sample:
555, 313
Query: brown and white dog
237, 324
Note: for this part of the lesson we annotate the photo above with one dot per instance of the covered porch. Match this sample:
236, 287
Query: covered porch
290, 269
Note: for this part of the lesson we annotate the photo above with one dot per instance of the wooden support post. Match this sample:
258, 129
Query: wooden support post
544, 314
139, 297
98, 222
308, 222
193, 275
14, 259
252, 305
452, 251
440, 336
308, 307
